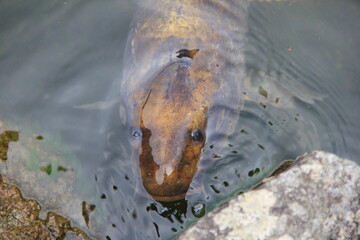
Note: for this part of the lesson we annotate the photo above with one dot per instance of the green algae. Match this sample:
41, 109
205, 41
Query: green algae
5, 138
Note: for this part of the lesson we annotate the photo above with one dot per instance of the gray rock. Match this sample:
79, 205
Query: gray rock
318, 197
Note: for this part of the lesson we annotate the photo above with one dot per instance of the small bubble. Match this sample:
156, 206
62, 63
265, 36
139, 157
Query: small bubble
254, 172
215, 156
151, 207
230, 145
226, 184
214, 189
108, 238
270, 123
198, 210
234, 152
134, 215
261, 146
173, 229
211, 146
244, 132
126, 177
113, 225
115, 188
157, 229
103, 196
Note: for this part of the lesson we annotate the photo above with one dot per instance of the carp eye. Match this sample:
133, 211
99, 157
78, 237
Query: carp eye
197, 135
136, 133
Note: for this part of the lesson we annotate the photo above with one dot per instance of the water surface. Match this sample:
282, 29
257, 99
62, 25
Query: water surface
55, 57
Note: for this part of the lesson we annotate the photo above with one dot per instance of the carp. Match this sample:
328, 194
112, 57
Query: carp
183, 67
183, 84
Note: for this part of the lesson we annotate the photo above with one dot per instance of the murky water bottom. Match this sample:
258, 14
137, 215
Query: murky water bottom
55, 57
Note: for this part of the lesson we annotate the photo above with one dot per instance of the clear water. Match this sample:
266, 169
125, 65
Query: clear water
57, 56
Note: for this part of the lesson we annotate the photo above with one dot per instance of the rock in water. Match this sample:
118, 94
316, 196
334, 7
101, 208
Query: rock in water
19, 218
318, 197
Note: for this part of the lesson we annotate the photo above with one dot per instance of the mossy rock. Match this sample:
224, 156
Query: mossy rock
44, 170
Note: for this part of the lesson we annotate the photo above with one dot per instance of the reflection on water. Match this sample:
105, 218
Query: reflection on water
55, 56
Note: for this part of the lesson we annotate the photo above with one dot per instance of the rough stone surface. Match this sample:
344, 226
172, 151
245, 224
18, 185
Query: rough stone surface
19, 218
25, 158
318, 197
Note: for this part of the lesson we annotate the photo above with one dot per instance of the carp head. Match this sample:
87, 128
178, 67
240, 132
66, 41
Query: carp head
171, 133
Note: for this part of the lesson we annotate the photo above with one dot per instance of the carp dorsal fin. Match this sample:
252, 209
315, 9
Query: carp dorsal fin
187, 53
147, 98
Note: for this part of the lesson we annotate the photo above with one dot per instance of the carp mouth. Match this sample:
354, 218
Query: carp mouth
169, 198
167, 176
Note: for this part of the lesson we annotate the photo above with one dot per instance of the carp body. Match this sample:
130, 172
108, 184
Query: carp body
182, 86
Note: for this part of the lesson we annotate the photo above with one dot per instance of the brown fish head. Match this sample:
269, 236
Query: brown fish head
172, 127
